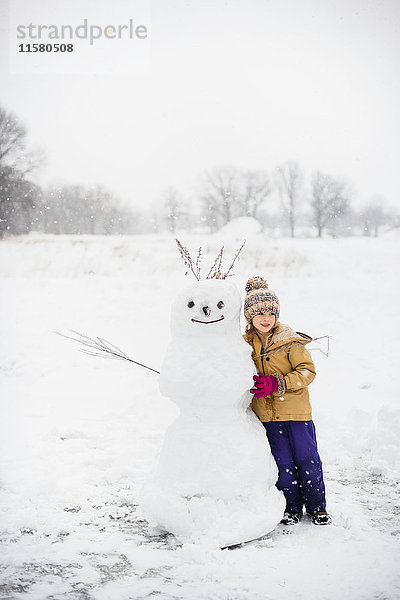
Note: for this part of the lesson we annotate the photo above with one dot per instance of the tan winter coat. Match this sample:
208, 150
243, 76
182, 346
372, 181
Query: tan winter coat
287, 356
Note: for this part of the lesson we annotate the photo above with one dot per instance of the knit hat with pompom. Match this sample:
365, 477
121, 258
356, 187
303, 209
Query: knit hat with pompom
259, 299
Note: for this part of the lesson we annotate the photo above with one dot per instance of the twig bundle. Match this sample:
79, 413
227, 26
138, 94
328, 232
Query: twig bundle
215, 271
101, 348
328, 347
187, 259
234, 259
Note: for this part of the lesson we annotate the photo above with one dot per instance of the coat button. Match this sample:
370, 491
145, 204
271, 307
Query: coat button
267, 358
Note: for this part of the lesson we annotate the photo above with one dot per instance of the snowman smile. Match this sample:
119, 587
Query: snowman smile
206, 322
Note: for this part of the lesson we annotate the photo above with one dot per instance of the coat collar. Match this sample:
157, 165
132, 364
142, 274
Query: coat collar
281, 336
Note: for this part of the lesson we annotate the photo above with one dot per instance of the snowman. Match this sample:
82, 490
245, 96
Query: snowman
215, 477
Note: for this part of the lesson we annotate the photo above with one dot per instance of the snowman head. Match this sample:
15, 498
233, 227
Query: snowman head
206, 309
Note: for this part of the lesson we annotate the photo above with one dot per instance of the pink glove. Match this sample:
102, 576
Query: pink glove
264, 385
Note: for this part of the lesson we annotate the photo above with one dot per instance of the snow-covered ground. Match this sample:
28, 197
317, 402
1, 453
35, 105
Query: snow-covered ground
79, 434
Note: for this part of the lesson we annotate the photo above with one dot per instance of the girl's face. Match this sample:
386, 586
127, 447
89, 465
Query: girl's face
264, 323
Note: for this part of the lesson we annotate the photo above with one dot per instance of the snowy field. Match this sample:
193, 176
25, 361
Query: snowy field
79, 434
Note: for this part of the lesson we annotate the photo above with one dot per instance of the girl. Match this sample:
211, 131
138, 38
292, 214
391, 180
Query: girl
281, 401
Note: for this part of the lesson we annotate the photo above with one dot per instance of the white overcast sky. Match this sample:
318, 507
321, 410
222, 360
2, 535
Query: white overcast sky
245, 82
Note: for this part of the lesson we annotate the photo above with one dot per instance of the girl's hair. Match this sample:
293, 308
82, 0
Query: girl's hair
248, 332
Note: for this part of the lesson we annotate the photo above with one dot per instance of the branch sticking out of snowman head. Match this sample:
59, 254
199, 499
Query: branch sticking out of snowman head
187, 259
216, 269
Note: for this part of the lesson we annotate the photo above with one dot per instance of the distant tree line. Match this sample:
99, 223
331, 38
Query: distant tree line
69, 209
283, 201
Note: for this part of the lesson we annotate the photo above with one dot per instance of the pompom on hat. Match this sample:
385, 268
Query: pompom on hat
259, 299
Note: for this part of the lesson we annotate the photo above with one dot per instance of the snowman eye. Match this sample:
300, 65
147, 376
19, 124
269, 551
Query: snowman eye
190, 304
220, 304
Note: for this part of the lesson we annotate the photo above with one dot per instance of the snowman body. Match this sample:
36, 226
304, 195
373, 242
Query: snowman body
215, 476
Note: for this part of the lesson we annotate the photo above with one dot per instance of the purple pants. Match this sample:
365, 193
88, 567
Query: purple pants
294, 447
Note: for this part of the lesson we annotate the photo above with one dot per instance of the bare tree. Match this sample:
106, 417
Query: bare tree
74, 209
220, 196
17, 193
329, 200
256, 189
290, 182
65, 207
229, 192
172, 207
18, 208
12, 138
101, 212
374, 215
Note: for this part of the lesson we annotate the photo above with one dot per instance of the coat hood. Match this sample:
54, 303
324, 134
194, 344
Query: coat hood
282, 334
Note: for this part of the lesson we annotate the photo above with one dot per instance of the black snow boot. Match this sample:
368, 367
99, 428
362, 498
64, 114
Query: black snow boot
320, 517
291, 518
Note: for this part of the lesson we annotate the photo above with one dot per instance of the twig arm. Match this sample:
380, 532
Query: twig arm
101, 348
